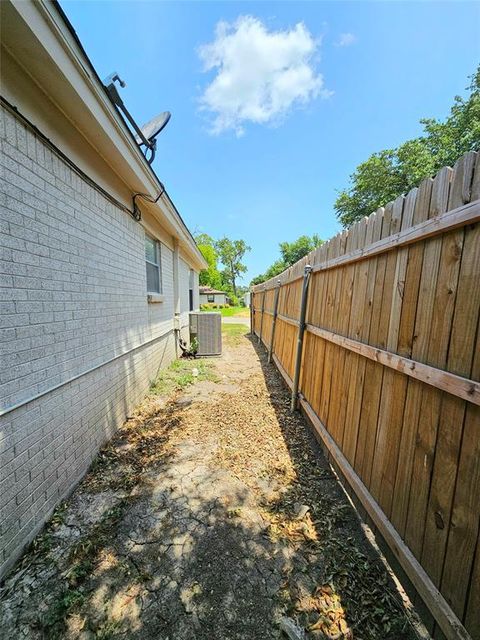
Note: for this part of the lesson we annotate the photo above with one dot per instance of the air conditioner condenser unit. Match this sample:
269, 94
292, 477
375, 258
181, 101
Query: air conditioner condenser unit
206, 327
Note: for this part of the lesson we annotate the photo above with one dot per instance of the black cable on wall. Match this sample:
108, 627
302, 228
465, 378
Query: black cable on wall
135, 212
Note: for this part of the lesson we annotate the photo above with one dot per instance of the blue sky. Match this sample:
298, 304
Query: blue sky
269, 120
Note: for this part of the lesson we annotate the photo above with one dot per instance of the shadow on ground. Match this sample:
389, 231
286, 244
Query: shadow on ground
213, 515
341, 559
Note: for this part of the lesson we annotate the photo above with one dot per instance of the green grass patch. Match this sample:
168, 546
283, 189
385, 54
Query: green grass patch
179, 375
239, 312
233, 334
53, 622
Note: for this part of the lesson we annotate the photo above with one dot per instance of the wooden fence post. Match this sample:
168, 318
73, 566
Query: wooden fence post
274, 319
301, 330
261, 319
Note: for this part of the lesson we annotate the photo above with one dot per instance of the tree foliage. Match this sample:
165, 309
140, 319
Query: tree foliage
291, 252
229, 253
210, 277
204, 239
387, 174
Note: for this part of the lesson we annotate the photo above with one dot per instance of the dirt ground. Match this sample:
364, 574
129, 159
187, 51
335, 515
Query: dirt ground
211, 515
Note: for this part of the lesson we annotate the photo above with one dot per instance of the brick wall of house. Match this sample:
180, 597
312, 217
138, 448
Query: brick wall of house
73, 297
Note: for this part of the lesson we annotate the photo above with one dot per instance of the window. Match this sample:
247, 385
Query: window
210, 297
154, 268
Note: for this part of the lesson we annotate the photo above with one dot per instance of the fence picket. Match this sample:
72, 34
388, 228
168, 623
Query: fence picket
373, 371
393, 385
406, 340
352, 360
424, 406
343, 300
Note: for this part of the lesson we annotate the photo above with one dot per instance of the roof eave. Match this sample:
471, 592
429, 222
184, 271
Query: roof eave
92, 112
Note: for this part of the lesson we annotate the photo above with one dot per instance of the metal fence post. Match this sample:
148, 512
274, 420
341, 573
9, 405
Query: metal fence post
261, 319
274, 320
252, 296
301, 331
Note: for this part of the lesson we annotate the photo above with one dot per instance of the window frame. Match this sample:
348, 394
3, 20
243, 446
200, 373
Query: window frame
157, 264
212, 296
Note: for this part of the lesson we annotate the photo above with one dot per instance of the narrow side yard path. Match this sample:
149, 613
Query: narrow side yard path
212, 515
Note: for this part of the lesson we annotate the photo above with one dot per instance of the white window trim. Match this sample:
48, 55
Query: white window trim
156, 296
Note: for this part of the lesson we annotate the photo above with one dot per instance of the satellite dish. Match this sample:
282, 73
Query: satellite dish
147, 134
151, 130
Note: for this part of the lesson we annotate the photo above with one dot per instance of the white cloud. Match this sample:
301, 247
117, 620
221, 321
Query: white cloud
346, 39
259, 74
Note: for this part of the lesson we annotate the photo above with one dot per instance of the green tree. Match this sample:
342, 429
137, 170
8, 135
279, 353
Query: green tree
210, 277
204, 239
387, 174
291, 252
230, 254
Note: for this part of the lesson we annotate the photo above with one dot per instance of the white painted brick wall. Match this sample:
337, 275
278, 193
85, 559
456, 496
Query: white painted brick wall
73, 296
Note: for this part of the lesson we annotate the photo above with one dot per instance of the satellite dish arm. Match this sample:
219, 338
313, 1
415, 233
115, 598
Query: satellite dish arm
115, 96
135, 126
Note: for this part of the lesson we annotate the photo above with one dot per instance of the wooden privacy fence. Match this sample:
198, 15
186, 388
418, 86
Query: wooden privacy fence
388, 374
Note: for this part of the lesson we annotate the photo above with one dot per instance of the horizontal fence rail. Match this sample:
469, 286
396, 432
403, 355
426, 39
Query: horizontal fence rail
380, 346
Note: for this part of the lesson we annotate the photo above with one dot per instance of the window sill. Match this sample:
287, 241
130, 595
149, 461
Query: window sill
153, 298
